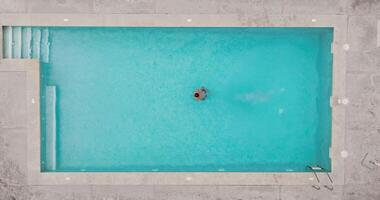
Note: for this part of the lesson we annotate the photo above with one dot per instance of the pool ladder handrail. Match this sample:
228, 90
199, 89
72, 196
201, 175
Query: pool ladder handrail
318, 168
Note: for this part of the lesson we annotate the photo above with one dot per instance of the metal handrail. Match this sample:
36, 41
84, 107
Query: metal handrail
318, 168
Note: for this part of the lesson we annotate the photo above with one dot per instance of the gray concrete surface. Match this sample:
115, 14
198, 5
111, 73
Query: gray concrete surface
362, 177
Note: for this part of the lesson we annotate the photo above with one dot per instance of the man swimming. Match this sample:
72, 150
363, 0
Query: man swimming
200, 94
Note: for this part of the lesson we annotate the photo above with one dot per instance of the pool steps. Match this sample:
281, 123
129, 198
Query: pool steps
33, 43
26, 43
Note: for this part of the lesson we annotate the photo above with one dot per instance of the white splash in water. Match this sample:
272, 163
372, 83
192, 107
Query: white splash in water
259, 97
253, 97
280, 111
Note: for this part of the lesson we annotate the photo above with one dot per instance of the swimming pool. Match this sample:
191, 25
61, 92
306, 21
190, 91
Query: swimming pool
120, 99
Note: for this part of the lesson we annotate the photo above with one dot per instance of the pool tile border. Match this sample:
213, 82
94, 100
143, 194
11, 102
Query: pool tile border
31, 67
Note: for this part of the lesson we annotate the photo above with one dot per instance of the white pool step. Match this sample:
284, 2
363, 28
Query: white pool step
36, 41
16, 36
26, 43
7, 47
44, 50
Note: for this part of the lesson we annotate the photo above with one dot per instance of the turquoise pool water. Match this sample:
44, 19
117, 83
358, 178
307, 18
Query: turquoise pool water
121, 99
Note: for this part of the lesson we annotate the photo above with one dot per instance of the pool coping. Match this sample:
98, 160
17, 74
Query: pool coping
31, 67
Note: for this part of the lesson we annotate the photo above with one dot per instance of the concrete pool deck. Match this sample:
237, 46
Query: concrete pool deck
361, 174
